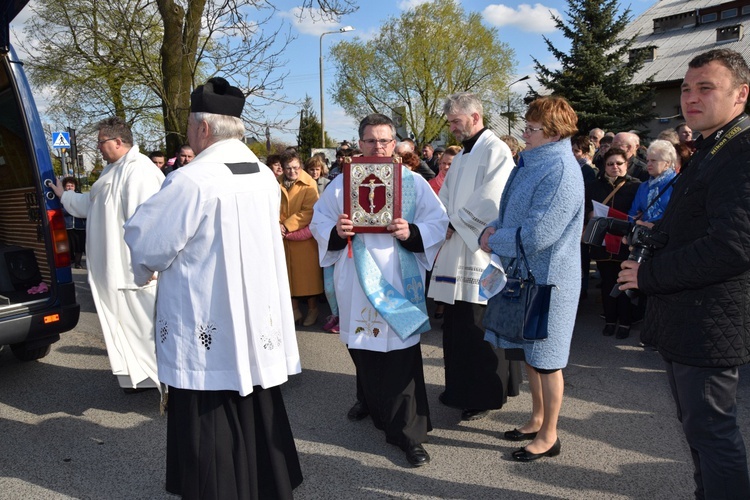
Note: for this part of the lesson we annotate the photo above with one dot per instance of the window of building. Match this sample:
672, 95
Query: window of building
746, 10
729, 34
709, 18
729, 13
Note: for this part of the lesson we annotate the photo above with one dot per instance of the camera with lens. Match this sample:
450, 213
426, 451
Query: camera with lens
642, 240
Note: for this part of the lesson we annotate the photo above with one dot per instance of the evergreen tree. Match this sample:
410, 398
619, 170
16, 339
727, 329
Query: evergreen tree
596, 76
309, 131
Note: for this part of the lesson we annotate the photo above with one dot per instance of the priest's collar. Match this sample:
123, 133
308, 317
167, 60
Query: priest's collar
469, 143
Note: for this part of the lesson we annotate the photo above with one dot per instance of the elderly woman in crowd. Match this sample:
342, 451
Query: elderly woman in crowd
299, 193
318, 170
615, 189
544, 198
653, 195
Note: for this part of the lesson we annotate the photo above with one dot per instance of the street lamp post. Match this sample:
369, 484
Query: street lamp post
509, 86
322, 116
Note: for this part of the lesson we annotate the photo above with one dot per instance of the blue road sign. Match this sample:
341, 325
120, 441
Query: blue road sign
60, 140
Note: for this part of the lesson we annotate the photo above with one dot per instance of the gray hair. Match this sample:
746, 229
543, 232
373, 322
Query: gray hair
222, 126
116, 128
408, 147
664, 150
463, 103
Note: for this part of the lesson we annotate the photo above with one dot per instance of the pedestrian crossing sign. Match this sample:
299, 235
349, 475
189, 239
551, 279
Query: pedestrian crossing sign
60, 140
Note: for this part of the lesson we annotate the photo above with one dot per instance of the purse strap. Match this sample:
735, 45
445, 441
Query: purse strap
520, 257
624, 181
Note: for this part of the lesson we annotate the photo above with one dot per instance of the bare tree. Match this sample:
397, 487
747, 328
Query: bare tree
133, 57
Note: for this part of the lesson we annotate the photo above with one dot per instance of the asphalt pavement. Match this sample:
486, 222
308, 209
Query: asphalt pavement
68, 431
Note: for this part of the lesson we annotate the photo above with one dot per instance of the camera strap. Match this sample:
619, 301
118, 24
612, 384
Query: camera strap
742, 125
669, 184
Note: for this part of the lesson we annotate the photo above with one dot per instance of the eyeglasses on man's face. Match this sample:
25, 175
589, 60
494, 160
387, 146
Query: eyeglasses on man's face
100, 143
379, 142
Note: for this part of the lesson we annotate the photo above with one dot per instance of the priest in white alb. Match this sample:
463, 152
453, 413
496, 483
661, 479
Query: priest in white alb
125, 308
225, 329
381, 296
478, 377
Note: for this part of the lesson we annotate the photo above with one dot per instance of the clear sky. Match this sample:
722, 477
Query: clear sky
521, 25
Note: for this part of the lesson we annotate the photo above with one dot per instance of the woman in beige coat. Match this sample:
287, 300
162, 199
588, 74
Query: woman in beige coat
299, 192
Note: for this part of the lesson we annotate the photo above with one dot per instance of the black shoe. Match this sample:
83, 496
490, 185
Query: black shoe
522, 455
442, 400
358, 412
473, 414
417, 456
609, 330
136, 390
516, 435
623, 332
438, 315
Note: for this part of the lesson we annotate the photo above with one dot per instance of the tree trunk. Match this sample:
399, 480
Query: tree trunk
178, 55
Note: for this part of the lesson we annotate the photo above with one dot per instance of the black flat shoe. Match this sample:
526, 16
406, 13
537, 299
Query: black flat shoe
473, 414
358, 412
609, 330
522, 455
417, 456
623, 332
516, 435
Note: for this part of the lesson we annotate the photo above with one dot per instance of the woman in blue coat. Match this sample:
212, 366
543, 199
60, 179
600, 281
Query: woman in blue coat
545, 198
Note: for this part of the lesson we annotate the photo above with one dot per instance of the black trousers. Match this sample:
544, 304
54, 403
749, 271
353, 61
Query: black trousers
478, 376
616, 309
391, 385
707, 407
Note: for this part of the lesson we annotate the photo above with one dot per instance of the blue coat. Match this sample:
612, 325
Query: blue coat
647, 192
545, 197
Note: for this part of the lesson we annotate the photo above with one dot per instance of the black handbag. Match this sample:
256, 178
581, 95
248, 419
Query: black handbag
519, 312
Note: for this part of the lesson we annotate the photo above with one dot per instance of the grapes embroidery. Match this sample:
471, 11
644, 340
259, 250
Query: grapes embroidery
205, 334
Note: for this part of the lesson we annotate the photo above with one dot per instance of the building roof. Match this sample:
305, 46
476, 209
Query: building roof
678, 30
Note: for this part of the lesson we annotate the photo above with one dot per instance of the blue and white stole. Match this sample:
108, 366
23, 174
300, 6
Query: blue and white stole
406, 315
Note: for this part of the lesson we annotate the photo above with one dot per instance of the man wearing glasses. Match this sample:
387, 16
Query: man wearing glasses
478, 378
125, 310
380, 294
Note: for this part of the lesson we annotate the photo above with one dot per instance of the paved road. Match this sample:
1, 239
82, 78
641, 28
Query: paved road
69, 432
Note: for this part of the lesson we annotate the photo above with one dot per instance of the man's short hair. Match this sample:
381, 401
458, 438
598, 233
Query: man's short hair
222, 126
374, 120
156, 154
583, 143
463, 103
555, 114
116, 128
669, 135
185, 146
730, 59
607, 139
678, 127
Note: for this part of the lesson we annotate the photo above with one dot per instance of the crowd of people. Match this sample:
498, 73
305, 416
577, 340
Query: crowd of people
203, 303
